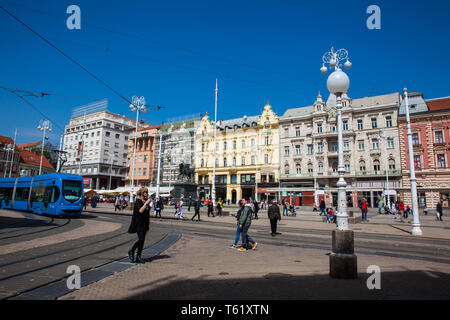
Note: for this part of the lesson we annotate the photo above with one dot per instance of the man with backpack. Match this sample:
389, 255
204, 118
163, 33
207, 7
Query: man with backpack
245, 221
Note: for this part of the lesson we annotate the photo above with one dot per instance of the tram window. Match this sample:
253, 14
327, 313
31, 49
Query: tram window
22, 194
71, 190
38, 194
6, 193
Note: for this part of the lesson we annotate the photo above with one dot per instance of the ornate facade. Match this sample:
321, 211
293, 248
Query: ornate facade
430, 128
247, 153
309, 150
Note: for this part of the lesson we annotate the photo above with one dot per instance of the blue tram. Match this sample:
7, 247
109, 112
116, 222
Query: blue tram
52, 194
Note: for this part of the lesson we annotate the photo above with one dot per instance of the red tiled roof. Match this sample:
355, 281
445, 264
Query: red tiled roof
26, 145
6, 140
439, 104
32, 158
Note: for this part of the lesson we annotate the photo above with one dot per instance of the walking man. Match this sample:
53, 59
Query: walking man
159, 207
245, 221
439, 211
210, 208
274, 217
219, 207
197, 206
364, 209
189, 203
322, 208
285, 209
256, 206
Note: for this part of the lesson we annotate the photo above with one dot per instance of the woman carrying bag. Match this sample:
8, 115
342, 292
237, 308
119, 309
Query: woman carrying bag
140, 223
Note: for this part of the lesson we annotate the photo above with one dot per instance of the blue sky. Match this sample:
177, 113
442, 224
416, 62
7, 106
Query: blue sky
171, 52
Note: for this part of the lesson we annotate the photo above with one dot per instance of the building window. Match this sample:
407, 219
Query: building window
242, 161
234, 144
361, 144
266, 140
319, 128
310, 148
374, 123
145, 159
362, 166
345, 125
286, 168
203, 147
243, 144
202, 163
334, 146
297, 150
297, 132
415, 139
320, 167
441, 160
266, 158
388, 121
320, 147
253, 158
286, 151
234, 161
376, 166
347, 167
390, 143
298, 170
346, 145
144, 171
360, 125
253, 142
225, 145
391, 164
234, 178
224, 162
438, 138
375, 144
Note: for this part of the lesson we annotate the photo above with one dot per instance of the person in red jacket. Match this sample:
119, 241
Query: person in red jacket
401, 208
364, 210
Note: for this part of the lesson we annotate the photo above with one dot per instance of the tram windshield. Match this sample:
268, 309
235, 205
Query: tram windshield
71, 190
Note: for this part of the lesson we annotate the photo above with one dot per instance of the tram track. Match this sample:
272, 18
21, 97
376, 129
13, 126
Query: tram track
40, 231
365, 243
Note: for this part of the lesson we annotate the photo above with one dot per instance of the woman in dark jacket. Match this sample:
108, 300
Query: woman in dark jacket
140, 223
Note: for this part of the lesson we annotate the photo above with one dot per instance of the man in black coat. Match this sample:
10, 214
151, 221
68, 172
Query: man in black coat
256, 209
197, 206
439, 211
274, 216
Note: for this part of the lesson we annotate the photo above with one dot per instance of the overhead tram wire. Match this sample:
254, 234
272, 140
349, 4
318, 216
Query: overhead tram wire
35, 108
67, 56
41, 94
161, 43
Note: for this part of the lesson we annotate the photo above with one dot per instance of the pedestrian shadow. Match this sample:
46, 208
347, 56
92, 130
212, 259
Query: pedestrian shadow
424, 285
154, 258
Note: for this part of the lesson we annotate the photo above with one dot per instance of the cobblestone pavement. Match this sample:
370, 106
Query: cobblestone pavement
205, 268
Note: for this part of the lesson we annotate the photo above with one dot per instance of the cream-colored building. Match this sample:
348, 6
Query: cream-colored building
309, 149
247, 156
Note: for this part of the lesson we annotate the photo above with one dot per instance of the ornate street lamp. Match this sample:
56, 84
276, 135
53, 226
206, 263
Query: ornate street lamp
138, 105
342, 259
338, 83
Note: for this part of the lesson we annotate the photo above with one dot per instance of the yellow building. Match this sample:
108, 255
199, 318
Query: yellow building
247, 147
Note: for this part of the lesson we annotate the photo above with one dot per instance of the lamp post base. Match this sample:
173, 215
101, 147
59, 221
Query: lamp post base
343, 261
416, 231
